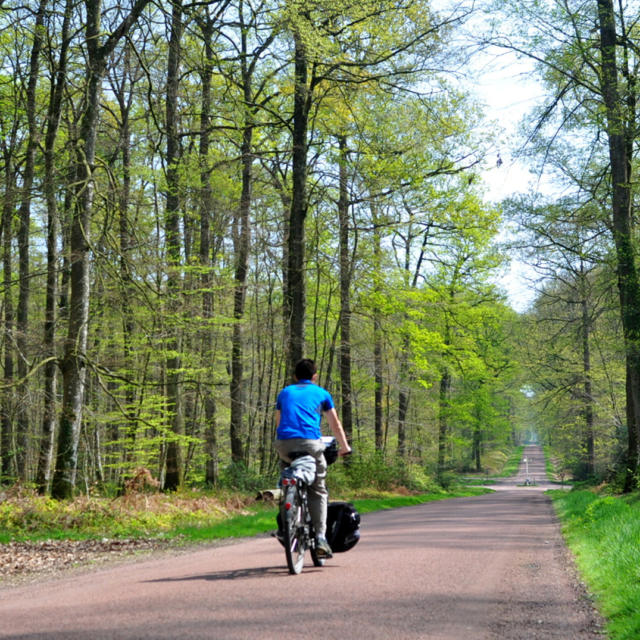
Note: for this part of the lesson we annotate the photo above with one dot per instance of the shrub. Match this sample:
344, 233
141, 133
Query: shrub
372, 471
240, 477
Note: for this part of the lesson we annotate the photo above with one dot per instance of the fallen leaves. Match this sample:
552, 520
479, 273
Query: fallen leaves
22, 558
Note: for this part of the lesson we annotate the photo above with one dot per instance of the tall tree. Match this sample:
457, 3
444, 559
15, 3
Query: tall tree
329, 50
12, 127
54, 114
621, 128
345, 290
249, 59
8, 400
207, 24
24, 215
295, 294
74, 359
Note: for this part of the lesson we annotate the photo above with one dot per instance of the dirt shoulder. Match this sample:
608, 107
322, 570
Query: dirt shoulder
22, 562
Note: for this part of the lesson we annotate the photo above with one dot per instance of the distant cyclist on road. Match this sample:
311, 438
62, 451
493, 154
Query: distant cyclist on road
299, 410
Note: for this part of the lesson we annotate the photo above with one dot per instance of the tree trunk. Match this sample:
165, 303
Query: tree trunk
477, 437
345, 293
206, 259
295, 292
47, 442
403, 397
587, 388
173, 476
73, 362
242, 242
404, 393
127, 243
377, 337
24, 216
443, 418
477, 442
619, 137
633, 440
8, 395
378, 380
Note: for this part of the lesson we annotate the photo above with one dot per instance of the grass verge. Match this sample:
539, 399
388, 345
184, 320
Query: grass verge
604, 535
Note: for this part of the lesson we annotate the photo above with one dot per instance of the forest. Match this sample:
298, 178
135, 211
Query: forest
195, 195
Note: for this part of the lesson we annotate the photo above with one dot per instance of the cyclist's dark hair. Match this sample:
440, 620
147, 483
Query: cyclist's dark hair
305, 369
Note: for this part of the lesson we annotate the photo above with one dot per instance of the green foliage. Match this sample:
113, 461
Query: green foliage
604, 535
412, 139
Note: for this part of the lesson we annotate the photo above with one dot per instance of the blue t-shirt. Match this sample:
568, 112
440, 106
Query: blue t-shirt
301, 406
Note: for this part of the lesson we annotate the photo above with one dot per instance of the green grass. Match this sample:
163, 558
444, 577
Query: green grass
366, 505
604, 536
262, 519
511, 466
548, 462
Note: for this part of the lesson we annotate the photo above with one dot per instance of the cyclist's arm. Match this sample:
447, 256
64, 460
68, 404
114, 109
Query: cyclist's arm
277, 416
338, 431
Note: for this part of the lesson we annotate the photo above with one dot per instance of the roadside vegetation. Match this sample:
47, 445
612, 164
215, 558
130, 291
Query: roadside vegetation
184, 517
243, 506
496, 464
511, 464
603, 532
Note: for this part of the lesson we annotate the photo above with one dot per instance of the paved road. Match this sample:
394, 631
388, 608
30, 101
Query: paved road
485, 568
531, 474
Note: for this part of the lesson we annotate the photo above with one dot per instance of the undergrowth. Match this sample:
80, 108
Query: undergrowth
603, 533
26, 516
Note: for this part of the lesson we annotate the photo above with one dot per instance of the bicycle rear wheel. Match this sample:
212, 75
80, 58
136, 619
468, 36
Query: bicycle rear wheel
293, 521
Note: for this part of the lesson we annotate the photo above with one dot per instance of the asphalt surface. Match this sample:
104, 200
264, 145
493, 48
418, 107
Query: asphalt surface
492, 567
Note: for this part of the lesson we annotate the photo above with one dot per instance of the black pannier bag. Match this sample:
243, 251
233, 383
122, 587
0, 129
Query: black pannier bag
343, 526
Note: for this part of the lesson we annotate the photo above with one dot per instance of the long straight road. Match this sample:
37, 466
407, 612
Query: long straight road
492, 567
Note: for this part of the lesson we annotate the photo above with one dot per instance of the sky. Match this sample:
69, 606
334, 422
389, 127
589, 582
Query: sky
507, 87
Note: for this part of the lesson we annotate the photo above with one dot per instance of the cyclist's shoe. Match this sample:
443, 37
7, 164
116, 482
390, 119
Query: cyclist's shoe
322, 547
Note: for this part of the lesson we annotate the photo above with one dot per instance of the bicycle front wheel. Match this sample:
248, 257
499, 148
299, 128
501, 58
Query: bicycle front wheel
293, 521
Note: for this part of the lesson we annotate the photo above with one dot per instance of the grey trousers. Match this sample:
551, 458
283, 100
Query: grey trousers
318, 494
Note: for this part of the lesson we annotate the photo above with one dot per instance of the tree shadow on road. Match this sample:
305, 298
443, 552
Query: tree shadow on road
233, 574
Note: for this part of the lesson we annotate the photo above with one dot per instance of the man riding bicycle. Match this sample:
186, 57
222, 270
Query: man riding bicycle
299, 409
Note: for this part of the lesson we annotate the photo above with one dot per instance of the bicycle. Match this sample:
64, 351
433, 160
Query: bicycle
296, 526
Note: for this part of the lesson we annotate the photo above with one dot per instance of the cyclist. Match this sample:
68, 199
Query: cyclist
299, 409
